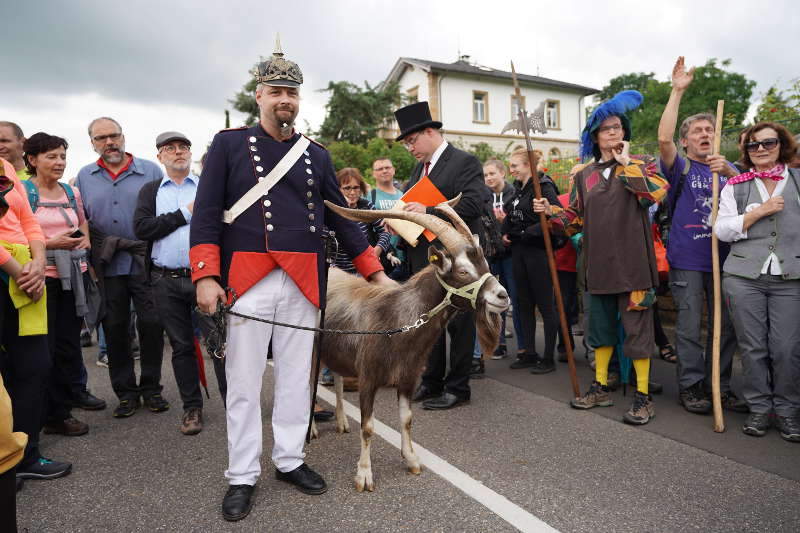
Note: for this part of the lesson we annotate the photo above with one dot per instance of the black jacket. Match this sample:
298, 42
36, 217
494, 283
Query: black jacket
149, 227
521, 223
456, 171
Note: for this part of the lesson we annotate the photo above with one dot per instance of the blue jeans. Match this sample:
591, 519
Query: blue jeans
503, 269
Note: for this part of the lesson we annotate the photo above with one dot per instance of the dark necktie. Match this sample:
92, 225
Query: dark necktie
427, 167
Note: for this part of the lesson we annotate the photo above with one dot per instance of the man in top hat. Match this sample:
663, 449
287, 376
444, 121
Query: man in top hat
257, 228
452, 171
609, 201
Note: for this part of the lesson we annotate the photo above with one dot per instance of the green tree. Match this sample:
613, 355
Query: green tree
356, 115
776, 106
245, 100
712, 82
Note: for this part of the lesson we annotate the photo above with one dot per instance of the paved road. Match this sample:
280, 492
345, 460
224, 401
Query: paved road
517, 439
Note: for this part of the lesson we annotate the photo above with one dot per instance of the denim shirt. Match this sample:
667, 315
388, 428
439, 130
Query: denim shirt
110, 204
173, 250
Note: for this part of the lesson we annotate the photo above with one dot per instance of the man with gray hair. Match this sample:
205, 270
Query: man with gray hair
110, 188
689, 247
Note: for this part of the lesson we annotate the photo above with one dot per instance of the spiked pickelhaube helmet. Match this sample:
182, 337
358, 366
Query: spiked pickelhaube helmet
278, 71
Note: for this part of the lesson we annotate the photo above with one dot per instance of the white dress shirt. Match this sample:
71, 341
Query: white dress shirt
729, 224
436, 155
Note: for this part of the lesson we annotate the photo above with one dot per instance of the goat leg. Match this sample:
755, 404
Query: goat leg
406, 448
364, 473
342, 425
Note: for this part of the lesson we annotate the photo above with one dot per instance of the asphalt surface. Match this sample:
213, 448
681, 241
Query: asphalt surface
577, 471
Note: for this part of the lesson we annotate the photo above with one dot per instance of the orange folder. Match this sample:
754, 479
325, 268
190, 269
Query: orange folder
426, 193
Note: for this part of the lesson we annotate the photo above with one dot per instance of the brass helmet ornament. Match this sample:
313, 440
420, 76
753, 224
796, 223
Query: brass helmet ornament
278, 71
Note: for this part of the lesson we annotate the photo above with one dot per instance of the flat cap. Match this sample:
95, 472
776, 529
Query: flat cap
169, 136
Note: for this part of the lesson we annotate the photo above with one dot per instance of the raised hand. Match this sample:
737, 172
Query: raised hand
681, 79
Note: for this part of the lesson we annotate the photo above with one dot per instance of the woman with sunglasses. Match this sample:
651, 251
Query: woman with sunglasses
759, 214
25, 360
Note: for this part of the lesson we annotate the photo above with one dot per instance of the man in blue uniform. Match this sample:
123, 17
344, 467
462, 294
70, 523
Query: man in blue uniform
256, 228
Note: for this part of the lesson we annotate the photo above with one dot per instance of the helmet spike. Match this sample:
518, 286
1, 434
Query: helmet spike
278, 50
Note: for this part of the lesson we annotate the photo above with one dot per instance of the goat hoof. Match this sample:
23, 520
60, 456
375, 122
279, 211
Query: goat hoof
364, 481
344, 428
415, 469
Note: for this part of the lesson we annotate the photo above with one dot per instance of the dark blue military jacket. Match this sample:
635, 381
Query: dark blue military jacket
281, 230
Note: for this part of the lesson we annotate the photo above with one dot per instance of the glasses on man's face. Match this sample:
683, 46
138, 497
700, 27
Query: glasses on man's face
351, 188
102, 138
610, 127
172, 148
411, 141
768, 144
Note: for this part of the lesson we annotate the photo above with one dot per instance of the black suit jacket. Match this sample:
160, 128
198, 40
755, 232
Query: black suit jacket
149, 227
456, 171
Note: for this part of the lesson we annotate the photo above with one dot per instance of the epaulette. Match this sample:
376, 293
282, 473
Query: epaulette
313, 141
233, 129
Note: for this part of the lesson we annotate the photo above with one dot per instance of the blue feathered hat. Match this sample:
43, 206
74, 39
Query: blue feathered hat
618, 105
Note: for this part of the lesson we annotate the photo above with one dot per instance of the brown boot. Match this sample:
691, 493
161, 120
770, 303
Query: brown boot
192, 422
350, 384
71, 427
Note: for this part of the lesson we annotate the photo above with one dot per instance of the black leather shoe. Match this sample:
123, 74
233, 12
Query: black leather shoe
323, 416
446, 400
89, 402
423, 393
237, 502
543, 366
304, 479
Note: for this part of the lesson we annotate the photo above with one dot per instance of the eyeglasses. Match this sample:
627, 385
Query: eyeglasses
112, 136
611, 127
410, 142
768, 144
351, 188
171, 148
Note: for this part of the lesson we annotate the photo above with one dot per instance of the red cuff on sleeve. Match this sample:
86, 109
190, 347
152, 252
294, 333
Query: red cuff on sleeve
204, 260
366, 263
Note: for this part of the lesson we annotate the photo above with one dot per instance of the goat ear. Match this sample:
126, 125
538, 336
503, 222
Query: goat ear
440, 259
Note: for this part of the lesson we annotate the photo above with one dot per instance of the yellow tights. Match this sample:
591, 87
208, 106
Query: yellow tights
602, 357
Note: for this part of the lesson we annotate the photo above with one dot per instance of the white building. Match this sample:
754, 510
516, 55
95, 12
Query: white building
475, 102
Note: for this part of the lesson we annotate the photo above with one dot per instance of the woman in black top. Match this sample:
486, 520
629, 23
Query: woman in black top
531, 274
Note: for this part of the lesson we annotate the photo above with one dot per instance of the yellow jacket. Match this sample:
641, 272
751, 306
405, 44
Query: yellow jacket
12, 444
32, 315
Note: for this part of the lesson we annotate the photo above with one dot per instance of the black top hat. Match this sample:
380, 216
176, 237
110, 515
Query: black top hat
413, 118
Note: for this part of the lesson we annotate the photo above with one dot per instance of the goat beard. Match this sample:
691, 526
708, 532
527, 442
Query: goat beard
488, 326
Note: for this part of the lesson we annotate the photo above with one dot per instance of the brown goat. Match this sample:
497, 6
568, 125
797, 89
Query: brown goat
398, 361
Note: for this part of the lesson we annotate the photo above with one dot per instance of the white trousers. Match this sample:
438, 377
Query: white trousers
275, 297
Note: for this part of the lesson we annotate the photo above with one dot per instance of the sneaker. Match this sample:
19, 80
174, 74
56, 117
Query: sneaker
756, 424
102, 359
596, 396
126, 408
789, 427
156, 403
641, 411
192, 421
524, 361
543, 366
500, 352
44, 468
731, 402
89, 402
695, 400
71, 427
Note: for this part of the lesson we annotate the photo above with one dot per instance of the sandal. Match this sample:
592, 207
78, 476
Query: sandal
667, 353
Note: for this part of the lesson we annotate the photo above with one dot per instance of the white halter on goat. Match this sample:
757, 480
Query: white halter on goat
469, 291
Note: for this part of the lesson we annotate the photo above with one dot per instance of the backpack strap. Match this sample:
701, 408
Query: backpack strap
373, 194
33, 194
73, 203
687, 164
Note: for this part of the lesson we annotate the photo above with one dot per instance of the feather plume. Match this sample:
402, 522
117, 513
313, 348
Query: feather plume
619, 105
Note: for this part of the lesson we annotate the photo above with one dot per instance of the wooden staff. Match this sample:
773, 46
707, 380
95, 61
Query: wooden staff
719, 422
533, 160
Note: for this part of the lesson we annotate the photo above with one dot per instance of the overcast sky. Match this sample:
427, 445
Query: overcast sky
157, 66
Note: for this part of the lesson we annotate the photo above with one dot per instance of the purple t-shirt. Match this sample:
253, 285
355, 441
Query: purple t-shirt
689, 246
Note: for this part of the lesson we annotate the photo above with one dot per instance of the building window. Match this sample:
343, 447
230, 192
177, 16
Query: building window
552, 115
480, 106
515, 106
413, 94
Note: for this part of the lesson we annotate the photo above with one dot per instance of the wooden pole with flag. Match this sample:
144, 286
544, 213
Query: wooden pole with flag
533, 160
719, 422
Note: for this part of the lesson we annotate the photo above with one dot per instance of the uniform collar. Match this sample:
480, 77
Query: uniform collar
259, 131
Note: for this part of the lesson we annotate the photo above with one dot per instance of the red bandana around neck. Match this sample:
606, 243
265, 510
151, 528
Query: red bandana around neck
775, 173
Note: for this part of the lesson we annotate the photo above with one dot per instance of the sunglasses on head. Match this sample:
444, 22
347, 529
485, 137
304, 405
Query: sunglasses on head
768, 144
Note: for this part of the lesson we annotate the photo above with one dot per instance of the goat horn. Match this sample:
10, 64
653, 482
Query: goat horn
446, 234
461, 226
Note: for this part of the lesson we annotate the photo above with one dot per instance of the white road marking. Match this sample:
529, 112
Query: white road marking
497, 503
